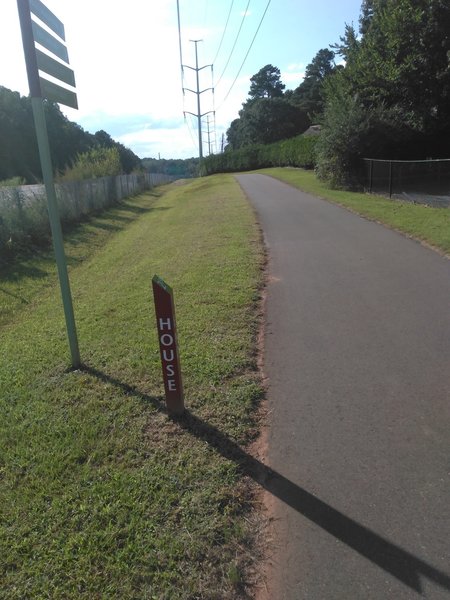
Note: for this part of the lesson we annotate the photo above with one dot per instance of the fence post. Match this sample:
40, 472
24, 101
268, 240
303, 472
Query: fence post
370, 175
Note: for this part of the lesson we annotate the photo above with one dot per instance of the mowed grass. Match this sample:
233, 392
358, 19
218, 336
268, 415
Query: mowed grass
101, 494
424, 223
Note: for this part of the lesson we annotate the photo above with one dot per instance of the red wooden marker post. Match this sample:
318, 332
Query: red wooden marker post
168, 346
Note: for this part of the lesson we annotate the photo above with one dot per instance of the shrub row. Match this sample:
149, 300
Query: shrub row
299, 151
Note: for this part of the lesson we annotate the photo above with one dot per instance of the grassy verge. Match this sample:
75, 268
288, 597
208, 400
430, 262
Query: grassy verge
101, 495
430, 225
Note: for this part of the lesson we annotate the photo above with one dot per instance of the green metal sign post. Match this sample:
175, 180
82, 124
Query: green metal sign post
41, 88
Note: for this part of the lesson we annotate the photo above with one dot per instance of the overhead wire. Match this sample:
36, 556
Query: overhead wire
215, 130
235, 42
186, 121
245, 57
224, 31
244, 15
180, 45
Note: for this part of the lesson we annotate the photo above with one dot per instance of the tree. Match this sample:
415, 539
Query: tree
67, 139
349, 44
266, 83
18, 146
234, 135
97, 162
19, 155
265, 121
393, 96
176, 167
309, 94
128, 159
267, 116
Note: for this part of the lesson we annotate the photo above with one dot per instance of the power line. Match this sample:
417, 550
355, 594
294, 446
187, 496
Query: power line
235, 42
248, 52
215, 131
179, 43
198, 93
224, 31
186, 122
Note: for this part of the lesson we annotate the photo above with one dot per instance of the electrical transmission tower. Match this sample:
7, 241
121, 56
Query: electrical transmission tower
198, 92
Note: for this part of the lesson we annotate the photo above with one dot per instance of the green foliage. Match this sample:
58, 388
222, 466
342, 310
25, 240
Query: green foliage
392, 99
267, 116
18, 147
128, 159
296, 152
98, 162
308, 96
13, 182
19, 155
265, 121
23, 221
350, 133
266, 83
175, 167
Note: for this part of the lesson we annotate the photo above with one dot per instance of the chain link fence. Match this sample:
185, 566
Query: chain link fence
418, 181
23, 209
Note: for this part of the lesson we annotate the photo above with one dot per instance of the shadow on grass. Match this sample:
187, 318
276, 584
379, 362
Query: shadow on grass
13, 264
129, 390
401, 564
74, 235
14, 268
16, 296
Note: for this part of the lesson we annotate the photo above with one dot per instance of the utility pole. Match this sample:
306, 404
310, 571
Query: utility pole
198, 114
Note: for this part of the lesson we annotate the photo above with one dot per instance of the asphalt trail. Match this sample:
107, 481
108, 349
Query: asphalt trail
357, 354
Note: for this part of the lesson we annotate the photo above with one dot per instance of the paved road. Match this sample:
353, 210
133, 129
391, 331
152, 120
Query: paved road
358, 359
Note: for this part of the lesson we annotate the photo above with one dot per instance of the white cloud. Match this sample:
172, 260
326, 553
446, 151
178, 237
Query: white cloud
127, 68
292, 79
167, 143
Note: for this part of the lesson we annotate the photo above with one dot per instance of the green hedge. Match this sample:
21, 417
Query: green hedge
294, 152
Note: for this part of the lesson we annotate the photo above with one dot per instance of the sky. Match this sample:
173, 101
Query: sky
126, 58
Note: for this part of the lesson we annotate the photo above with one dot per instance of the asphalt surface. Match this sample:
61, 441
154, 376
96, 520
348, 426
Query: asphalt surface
357, 352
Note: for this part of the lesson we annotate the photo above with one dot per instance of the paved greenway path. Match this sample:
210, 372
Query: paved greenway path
358, 360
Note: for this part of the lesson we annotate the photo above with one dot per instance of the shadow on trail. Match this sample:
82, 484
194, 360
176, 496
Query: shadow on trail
403, 565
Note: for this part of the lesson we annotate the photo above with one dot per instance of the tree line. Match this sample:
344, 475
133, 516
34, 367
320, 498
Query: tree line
382, 91
175, 167
19, 157
76, 154
271, 114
